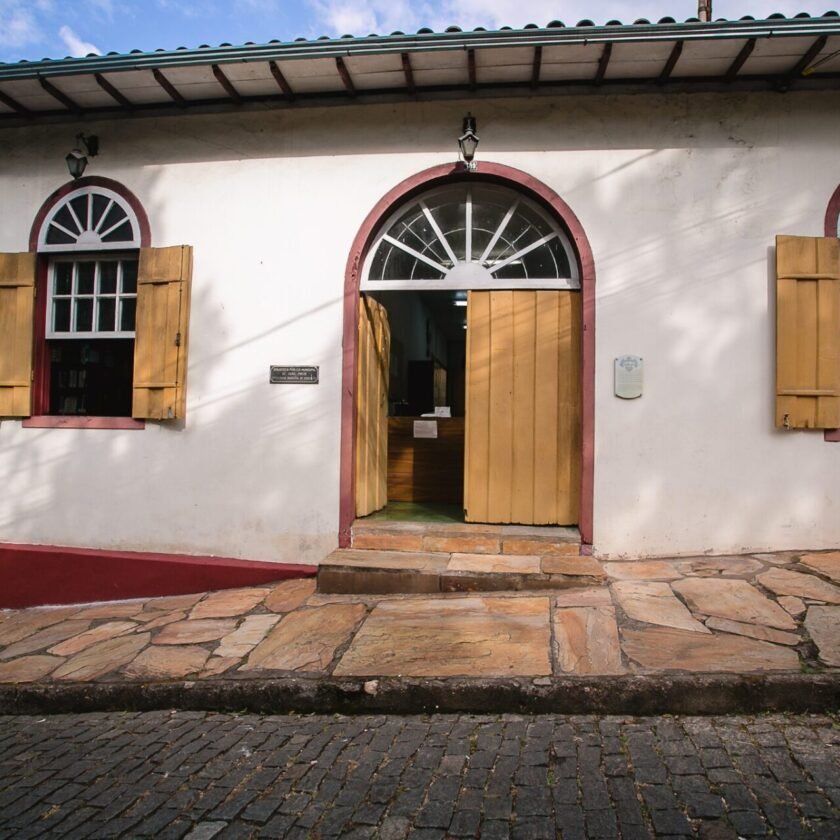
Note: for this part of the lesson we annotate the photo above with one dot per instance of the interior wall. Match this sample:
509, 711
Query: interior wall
415, 335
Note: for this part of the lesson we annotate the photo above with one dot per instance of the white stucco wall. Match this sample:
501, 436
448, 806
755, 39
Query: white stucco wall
680, 198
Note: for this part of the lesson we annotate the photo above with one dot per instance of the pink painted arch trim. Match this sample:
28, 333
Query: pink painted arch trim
51, 421
832, 213
403, 191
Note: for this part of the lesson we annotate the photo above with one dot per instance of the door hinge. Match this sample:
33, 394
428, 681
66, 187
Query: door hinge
177, 339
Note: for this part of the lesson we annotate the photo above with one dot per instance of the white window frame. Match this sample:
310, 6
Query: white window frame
470, 273
93, 240
118, 297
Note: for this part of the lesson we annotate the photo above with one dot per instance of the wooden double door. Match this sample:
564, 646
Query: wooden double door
523, 407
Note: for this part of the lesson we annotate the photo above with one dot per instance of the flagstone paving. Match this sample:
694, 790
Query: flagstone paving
644, 570
586, 641
159, 663
733, 599
425, 637
654, 603
91, 637
754, 631
752, 613
102, 658
786, 582
306, 640
659, 647
827, 563
795, 606
823, 624
726, 566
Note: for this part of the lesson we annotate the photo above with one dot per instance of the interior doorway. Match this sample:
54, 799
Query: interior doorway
469, 406
426, 404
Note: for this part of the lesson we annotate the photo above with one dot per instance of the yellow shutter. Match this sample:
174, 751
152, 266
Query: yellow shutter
372, 377
160, 352
523, 424
807, 332
17, 298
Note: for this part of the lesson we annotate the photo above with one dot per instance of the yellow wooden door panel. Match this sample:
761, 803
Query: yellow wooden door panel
547, 404
523, 441
524, 363
499, 491
372, 377
160, 352
17, 309
807, 332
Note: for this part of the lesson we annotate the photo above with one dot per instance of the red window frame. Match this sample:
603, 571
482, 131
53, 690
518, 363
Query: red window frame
41, 419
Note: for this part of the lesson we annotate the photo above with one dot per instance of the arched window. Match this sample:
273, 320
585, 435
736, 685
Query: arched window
90, 218
92, 237
471, 235
98, 318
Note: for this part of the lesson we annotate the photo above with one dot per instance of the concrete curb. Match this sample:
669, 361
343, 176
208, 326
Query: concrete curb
705, 694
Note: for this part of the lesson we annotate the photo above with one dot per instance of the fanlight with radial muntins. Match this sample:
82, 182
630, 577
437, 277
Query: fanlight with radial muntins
90, 218
471, 236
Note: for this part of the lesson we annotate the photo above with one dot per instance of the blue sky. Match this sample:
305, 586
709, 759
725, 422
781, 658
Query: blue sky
34, 29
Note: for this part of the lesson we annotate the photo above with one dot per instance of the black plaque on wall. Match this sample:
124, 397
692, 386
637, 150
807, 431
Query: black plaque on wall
293, 375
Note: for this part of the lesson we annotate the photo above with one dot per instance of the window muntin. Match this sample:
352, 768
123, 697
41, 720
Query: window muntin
92, 297
91, 310
471, 236
90, 218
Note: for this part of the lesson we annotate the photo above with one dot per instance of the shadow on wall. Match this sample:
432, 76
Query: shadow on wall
221, 483
688, 283
684, 279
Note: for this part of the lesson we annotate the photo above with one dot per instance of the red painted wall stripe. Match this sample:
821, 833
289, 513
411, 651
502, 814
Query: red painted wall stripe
37, 575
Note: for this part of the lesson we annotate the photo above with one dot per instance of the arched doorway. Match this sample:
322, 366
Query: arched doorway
477, 234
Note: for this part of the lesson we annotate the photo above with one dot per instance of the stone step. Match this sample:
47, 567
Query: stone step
465, 538
377, 572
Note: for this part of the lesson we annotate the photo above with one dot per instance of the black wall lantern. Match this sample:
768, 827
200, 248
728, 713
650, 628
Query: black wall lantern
468, 141
77, 159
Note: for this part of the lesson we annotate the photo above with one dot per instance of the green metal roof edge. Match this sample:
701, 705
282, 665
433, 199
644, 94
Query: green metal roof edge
422, 42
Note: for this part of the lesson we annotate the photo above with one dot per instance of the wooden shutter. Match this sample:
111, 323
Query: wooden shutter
160, 351
523, 425
17, 309
372, 377
807, 332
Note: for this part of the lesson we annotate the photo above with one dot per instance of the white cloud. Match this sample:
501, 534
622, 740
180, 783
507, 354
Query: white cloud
75, 44
360, 17
18, 24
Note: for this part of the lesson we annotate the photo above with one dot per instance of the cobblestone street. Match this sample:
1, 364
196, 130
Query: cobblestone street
201, 775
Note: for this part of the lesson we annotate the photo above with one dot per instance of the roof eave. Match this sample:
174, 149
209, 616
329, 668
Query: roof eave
431, 42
